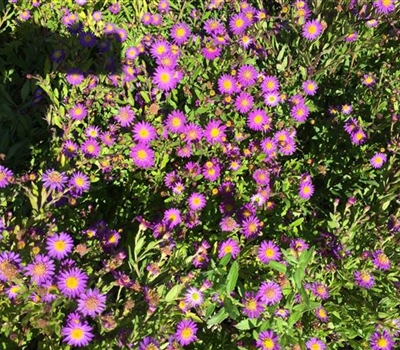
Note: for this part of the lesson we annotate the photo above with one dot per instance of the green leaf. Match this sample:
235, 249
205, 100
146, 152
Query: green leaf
232, 277
225, 260
277, 266
173, 293
246, 324
218, 318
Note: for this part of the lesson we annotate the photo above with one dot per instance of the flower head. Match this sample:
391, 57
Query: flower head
312, 29
91, 303
142, 156
315, 344
270, 293
5, 176
41, 269
186, 332
54, 180
72, 282
268, 340
268, 251
77, 334
378, 160
229, 246
381, 341
59, 245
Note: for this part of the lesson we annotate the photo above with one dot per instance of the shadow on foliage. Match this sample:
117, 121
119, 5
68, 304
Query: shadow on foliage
29, 54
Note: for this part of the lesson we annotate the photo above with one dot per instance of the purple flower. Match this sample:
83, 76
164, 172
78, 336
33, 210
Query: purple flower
227, 84
180, 33
172, 217
72, 282
244, 102
272, 98
142, 156
125, 116
320, 290
238, 23
252, 306
75, 76
321, 314
380, 260
315, 344
165, 78
299, 112
115, 8
176, 121
270, 84
78, 112
312, 29
270, 293
91, 303
229, 246
306, 190
77, 334
41, 269
197, 201
193, 297
381, 341
378, 160
79, 182
148, 343
10, 265
54, 180
251, 226
310, 87
90, 148
247, 75
384, 7
186, 332
5, 176
215, 132
268, 251
268, 340
364, 279
59, 245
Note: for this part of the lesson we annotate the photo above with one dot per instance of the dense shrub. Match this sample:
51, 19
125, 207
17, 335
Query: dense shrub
209, 175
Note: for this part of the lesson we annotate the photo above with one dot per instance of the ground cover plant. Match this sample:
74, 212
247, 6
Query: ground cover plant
199, 174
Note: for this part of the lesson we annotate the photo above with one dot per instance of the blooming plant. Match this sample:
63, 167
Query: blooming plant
217, 174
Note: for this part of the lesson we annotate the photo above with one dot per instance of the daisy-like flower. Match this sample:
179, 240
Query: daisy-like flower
97, 16
160, 48
186, 332
251, 226
5, 176
172, 217
92, 131
72, 282
268, 251
25, 15
163, 6
310, 87
180, 33
299, 113
78, 112
381, 341
75, 76
272, 99
228, 224
165, 78
193, 297
197, 201
90, 148
54, 180
269, 146
142, 156
41, 269
176, 121
10, 265
315, 344
384, 6
261, 176
211, 52
368, 80
77, 334
238, 23
229, 246
270, 293
358, 136
320, 290
227, 84
215, 132
321, 314
347, 109
57, 56
87, 39
364, 279
91, 303
244, 102
312, 29
144, 132
79, 182
247, 75
257, 120
13, 291
268, 340
70, 148
252, 306
125, 116
378, 160
380, 260
148, 343
213, 25
306, 189
59, 245
270, 84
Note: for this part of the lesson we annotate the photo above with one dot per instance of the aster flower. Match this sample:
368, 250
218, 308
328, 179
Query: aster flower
380, 260
79, 182
72, 282
180, 33
306, 190
230, 246
227, 84
251, 226
176, 121
211, 52
312, 29
144, 132
146, 18
54, 180
272, 99
214, 132
347, 109
378, 160
78, 112
172, 217
193, 297
213, 25
91, 303
244, 102
261, 176
270, 84
59, 245
165, 78
97, 15
268, 340
13, 291
368, 80
5, 176
384, 6
142, 156
268, 251
163, 7
315, 344
125, 116
228, 224
381, 341
115, 8
238, 23
92, 131
75, 76
252, 306
77, 334
247, 75
269, 146
87, 39
320, 290
186, 332
90, 148
10, 265
321, 314
160, 48
299, 113
358, 137
364, 279
57, 56
197, 201
270, 293
149, 343
41, 269
310, 87
167, 60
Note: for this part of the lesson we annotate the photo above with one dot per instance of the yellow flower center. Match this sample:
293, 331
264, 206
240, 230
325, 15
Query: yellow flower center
258, 119
227, 84
382, 343
228, 249
312, 29
268, 343
214, 132
165, 77
251, 304
269, 253
77, 334
60, 245
72, 282
142, 154
180, 32
39, 269
186, 333
143, 133
239, 23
